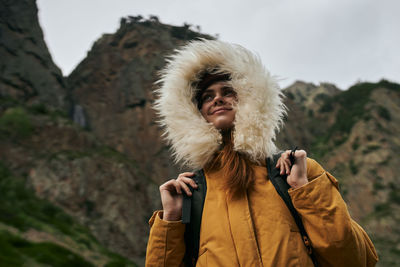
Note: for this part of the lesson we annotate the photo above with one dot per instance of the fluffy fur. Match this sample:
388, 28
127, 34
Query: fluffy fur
259, 110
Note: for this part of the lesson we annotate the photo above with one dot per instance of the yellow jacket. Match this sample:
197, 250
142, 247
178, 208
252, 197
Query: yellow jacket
258, 229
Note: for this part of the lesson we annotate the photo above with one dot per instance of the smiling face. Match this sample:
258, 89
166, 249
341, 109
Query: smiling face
217, 105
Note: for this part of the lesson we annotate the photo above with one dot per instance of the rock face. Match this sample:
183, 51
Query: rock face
27, 72
303, 121
353, 134
309, 96
111, 90
102, 188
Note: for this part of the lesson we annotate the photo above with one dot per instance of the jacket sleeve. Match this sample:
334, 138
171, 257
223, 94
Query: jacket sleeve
166, 245
337, 239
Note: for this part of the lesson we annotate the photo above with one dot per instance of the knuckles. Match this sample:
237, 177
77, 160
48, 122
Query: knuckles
181, 177
171, 181
298, 153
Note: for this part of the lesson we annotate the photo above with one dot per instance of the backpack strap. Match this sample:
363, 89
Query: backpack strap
192, 211
282, 187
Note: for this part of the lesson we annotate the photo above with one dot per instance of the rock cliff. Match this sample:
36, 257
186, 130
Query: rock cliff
111, 89
27, 72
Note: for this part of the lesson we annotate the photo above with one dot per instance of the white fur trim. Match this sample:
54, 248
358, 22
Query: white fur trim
259, 109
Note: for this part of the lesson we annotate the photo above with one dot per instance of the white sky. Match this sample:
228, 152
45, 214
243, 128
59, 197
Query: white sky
337, 41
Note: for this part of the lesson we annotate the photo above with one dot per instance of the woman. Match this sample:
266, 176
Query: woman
221, 110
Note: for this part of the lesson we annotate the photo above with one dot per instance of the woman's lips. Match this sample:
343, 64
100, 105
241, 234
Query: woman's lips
221, 110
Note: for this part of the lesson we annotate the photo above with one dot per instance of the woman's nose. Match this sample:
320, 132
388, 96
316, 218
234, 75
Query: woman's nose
218, 99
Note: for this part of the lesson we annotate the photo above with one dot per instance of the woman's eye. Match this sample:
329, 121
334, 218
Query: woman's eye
229, 93
207, 98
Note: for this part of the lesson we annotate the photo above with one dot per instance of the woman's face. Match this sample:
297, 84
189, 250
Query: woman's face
217, 105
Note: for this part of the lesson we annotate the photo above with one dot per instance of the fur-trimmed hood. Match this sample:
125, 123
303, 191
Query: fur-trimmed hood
259, 110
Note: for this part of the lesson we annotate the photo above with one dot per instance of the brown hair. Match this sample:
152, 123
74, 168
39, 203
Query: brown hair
207, 79
235, 166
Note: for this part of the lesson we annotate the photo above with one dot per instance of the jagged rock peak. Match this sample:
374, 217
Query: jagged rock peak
307, 89
309, 94
28, 73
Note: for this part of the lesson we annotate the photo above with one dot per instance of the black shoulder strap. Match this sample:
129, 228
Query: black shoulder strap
282, 187
192, 210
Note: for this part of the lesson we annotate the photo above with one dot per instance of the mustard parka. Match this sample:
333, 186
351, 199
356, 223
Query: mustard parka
256, 229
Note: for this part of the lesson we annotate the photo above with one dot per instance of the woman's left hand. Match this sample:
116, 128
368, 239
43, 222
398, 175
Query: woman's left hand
297, 176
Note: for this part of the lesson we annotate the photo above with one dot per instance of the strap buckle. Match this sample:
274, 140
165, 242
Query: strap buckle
291, 157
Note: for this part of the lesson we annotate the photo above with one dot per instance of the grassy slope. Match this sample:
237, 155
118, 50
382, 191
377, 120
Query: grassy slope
69, 244
351, 108
21, 211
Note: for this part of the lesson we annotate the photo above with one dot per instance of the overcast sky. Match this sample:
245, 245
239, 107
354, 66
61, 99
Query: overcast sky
336, 41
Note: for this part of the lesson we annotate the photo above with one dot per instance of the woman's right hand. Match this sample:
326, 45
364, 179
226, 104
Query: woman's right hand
171, 195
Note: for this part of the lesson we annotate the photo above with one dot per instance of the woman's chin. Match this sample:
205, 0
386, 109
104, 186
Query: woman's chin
224, 126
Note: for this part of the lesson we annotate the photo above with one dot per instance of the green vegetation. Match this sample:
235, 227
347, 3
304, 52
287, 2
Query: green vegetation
382, 209
109, 152
289, 95
184, 32
117, 260
388, 251
351, 109
322, 97
39, 109
384, 113
386, 242
352, 103
21, 209
394, 195
15, 123
16, 251
370, 149
378, 185
103, 151
8, 101
356, 144
353, 167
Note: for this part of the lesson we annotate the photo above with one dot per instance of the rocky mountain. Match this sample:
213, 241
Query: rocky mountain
27, 72
309, 96
354, 134
111, 90
49, 169
81, 157
303, 101
78, 154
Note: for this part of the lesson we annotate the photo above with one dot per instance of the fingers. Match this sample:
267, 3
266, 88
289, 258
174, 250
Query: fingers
186, 178
172, 186
284, 163
180, 184
186, 174
284, 166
